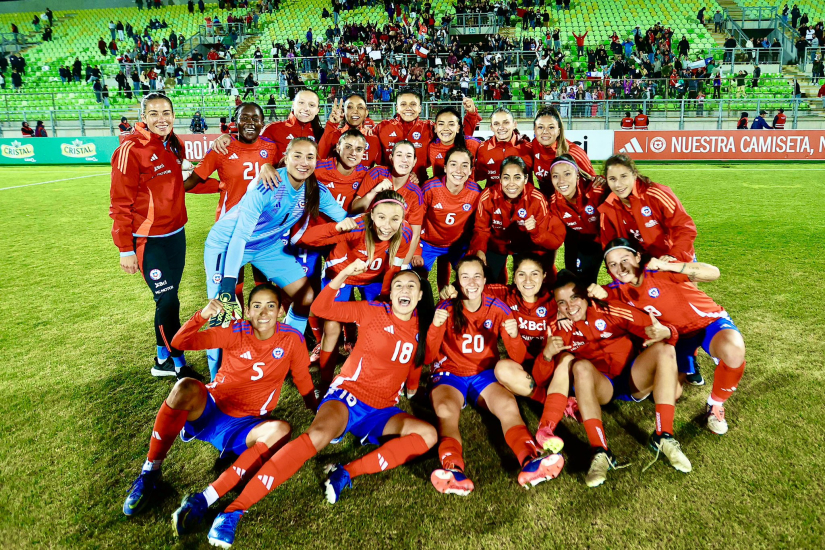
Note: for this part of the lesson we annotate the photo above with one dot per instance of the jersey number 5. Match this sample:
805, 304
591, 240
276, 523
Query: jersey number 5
259, 372
472, 343
402, 352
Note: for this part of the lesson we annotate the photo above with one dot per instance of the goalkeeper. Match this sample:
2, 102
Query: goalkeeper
257, 230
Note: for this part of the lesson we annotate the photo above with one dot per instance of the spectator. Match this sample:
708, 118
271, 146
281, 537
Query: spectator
2, 81
190, 6
36, 23
124, 126
16, 32
198, 124
700, 104
120, 28
47, 34
821, 94
743, 121
701, 16
795, 13
759, 123
101, 45
730, 44
26, 130
684, 46
16, 80
757, 72
40, 130
579, 39
140, 4
65, 74
50, 16
97, 88
249, 83
740, 83
113, 30
227, 84
779, 120
785, 10
201, 6
717, 21
271, 104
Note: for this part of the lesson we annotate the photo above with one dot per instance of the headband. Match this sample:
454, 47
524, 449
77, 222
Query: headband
393, 201
564, 161
609, 250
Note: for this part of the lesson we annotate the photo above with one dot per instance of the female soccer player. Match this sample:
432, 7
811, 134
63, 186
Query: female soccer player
355, 115
362, 399
449, 133
598, 358
230, 413
505, 142
463, 346
550, 143
257, 231
645, 211
667, 290
381, 239
149, 213
575, 200
513, 218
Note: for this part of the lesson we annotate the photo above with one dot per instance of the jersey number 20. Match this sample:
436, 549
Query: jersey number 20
472, 343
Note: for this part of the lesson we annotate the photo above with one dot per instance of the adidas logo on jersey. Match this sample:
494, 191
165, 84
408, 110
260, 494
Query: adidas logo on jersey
246, 355
331, 185
498, 211
233, 156
439, 156
566, 215
267, 481
390, 329
154, 157
393, 135
438, 205
364, 252
290, 136
491, 161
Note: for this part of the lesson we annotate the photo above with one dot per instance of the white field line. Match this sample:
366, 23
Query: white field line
54, 181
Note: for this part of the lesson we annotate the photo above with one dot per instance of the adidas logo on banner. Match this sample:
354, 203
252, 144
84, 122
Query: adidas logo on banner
393, 134
154, 157
491, 161
438, 205
498, 211
246, 355
390, 329
233, 156
633, 146
566, 215
267, 481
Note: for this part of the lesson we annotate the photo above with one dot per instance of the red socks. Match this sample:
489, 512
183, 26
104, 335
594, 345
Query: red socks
518, 438
249, 462
315, 326
664, 419
277, 469
553, 412
451, 454
386, 457
595, 433
725, 380
168, 425
326, 364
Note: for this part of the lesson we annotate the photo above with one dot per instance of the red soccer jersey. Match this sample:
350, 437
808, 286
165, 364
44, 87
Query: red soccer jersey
671, 297
655, 218
353, 245
476, 349
492, 153
543, 159
581, 215
533, 318
281, 133
342, 187
446, 216
383, 359
332, 133
411, 192
236, 169
253, 371
437, 152
499, 224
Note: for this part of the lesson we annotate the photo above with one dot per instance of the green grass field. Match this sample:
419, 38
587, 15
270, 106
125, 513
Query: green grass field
77, 401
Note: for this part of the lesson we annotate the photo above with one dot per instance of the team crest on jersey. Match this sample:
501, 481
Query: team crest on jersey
488, 324
466, 207
653, 292
302, 203
216, 278
589, 209
355, 185
264, 154
277, 353
646, 211
522, 213
155, 274
541, 312
600, 324
416, 135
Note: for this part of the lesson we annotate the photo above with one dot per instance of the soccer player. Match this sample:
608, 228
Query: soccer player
599, 358
231, 412
381, 239
513, 218
356, 117
575, 201
257, 231
462, 344
149, 213
362, 400
449, 205
505, 142
550, 143
645, 211
395, 177
448, 134
668, 291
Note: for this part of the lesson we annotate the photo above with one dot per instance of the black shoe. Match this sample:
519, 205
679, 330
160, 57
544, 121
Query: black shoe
188, 372
167, 368
695, 379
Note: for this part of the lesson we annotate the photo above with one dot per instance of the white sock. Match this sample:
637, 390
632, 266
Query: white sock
712, 402
211, 495
150, 465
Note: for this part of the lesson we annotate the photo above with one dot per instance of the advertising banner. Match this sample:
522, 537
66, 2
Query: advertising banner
722, 145
598, 144
69, 150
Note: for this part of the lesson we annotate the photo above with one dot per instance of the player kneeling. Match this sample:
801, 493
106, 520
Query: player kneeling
230, 412
361, 400
598, 357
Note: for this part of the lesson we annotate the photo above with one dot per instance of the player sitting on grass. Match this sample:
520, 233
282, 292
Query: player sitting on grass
230, 413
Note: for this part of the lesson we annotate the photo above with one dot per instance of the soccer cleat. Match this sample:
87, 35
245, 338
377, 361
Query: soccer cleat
665, 444
188, 372
602, 463
316, 354
542, 468
549, 441
695, 379
167, 368
345, 349
451, 482
337, 481
189, 514
222, 533
141, 492
572, 409
715, 417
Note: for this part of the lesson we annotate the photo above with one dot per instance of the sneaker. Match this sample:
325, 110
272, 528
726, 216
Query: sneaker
572, 409
188, 372
549, 441
222, 533
337, 481
141, 492
695, 379
167, 368
542, 468
602, 463
715, 417
190, 514
665, 444
316, 354
451, 482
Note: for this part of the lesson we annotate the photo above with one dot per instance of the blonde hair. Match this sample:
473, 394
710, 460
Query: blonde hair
369, 227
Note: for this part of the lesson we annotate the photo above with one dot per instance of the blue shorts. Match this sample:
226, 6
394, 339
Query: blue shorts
309, 260
364, 422
278, 266
224, 432
686, 348
622, 390
469, 386
369, 292
454, 252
